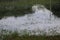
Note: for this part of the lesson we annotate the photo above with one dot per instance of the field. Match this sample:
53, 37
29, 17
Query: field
19, 8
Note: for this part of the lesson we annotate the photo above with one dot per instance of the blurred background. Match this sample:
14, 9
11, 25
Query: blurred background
21, 7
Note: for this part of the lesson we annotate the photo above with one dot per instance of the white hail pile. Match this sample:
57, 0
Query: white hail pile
40, 22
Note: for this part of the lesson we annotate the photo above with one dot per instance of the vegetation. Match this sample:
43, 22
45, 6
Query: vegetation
9, 35
56, 10
21, 7
15, 36
14, 11
7, 0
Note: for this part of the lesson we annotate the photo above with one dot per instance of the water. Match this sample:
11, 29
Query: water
40, 22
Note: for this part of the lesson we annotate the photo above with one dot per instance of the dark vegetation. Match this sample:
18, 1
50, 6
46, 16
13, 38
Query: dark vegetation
7, 0
56, 10
14, 11
15, 36
21, 7
9, 35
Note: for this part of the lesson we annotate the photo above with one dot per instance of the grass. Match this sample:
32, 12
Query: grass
21, 7
9, 35
15, 36
33, 38
29, 2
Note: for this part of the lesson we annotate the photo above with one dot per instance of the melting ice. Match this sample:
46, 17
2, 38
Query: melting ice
41, 20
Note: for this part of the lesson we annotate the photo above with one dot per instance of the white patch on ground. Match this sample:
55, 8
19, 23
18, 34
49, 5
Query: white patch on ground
41, 20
